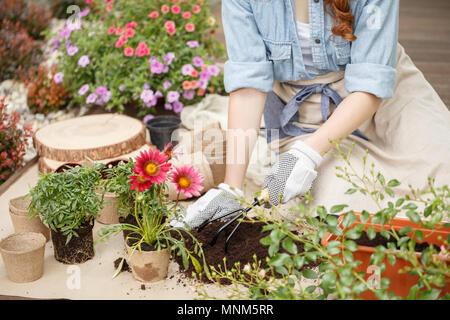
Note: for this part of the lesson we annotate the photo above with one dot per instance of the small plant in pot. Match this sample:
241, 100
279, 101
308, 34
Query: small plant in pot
109, 190
152, 240
66, 202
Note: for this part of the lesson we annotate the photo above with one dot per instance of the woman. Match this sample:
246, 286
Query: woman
296, 60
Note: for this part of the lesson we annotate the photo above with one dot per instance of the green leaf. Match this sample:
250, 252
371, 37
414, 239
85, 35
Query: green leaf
309, 274
196, 264
413, 291
399, 202
385, 234
380, 178
299, 261
419, 235
390, 192
353, 234
349, 219
280, 259
350, 191
351, 245
364, 216
310, 289
338, 208
289, 245
393, 183
432, 294
405, 230
391, 259
273, 249
266, 241
413, 216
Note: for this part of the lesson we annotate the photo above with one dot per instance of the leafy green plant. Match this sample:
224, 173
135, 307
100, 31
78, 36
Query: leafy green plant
67, 200
161, 52
338, 277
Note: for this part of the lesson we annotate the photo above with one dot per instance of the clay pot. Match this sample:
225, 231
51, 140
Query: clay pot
23, 255
18, 211
400, 284
109, 214
148, 266
79, 249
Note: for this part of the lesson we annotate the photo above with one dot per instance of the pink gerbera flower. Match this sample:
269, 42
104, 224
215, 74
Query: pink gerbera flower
139, 182
153, 166
187, 180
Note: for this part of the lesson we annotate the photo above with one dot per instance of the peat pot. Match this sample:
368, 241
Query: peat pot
23, 255
79, 249
109, 214
148, 266
18, 211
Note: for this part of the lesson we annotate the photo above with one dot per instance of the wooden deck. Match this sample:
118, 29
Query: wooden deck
425, 34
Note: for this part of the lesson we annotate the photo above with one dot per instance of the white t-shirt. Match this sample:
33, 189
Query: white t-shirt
304, 35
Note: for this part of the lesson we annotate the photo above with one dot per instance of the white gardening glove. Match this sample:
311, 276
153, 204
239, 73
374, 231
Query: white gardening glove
213, 204
293, 174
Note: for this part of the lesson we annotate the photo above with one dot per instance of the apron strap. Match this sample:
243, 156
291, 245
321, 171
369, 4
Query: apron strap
282, 117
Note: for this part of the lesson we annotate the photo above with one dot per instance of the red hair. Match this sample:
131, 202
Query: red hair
344, 18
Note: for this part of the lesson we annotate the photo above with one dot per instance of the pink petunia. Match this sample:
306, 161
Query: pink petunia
153, 15
119, 31
111, 30
169, 24
131, 25
129, 51
130, 32
176, 9
190, 27
165, 9
187, 180
171, 31
186, 15
119, 44
196, 9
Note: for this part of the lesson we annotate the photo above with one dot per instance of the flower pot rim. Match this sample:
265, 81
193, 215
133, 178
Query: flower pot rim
42, 240
368, 249
15, 209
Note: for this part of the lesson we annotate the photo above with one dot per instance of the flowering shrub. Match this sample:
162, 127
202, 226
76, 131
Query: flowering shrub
338, 276
152, 211
44, 94
149, 53
19, 53
12, 142
33, 18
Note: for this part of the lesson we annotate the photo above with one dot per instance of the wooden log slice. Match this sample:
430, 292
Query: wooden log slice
46, 165
98, 137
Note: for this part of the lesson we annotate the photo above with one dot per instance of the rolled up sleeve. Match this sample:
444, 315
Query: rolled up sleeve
373, 53
247, 65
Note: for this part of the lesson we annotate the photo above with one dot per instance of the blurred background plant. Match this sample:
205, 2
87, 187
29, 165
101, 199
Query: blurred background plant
147, 54
44, 94
19, 53
12, 142
58, 8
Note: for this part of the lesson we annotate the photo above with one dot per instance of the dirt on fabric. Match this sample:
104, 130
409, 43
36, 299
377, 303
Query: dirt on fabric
243, 245
125, 266
380, 240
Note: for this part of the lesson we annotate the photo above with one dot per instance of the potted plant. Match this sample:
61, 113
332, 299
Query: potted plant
109, 190
151, 240
66, 202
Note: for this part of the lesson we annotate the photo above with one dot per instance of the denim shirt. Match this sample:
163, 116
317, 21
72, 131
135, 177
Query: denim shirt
263, 45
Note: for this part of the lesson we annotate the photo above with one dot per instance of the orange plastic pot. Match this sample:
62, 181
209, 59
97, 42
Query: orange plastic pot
400, 284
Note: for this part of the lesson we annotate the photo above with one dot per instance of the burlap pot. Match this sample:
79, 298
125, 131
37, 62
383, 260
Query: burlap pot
148, 266
23, 255
200, 163
18, 211
109, 214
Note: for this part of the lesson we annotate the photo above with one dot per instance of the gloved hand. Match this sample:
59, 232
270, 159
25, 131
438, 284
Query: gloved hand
293, 174
213, 204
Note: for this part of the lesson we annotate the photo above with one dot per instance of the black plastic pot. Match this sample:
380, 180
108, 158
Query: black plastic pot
161, 129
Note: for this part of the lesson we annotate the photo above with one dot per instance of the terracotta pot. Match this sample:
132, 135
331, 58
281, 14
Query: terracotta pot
400, 284
18, 211
149, 266
23, 255
109, 214
79, 249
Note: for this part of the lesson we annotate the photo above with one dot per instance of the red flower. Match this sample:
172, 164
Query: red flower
194, 73
186, 85
194, 84
196, 9
119, 31
171, 31
153, 166
109, 7
119, 44
190, 27
201, 92
129, 51
169, 24
111, 30
186, 14
131, 25
139, 182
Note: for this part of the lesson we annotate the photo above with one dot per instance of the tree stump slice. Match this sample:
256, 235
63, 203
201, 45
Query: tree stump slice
46, 165
98, 137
